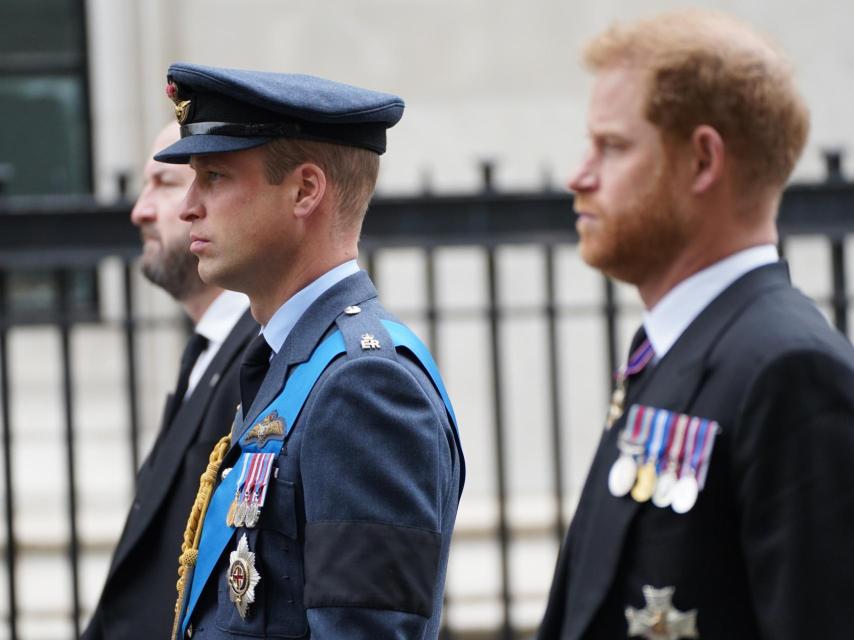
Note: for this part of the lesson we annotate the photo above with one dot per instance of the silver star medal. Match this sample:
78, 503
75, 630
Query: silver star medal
242, 577
660, 620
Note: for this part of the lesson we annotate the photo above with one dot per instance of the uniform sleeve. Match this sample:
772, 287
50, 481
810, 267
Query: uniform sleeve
374, 483
794, 475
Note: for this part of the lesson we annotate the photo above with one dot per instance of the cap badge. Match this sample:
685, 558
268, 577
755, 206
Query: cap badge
242, 577
659, 619
182, 107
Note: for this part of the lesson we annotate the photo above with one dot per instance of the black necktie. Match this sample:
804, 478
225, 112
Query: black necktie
254, 367
195, 345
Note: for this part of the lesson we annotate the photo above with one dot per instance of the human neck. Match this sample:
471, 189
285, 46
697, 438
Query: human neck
265, 301
654, 287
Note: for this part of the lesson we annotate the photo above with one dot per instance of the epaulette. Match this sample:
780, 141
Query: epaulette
364, 334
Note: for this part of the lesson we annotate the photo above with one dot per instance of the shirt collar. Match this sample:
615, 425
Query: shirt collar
276, 331
221, 316
669, 319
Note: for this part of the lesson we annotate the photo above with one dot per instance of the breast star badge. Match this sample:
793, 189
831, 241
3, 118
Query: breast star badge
242, 577
660, 620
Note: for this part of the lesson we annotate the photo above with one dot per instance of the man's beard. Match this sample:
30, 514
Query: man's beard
643, 238
175, 270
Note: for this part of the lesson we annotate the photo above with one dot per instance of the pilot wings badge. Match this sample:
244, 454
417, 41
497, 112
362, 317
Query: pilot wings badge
270, 427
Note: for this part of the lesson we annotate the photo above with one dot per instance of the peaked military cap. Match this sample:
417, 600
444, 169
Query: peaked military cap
233, 109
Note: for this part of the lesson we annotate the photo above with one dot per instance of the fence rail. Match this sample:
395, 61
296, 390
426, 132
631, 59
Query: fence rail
58, 237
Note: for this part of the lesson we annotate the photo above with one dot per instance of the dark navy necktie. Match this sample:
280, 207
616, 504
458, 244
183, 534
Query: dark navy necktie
256, 362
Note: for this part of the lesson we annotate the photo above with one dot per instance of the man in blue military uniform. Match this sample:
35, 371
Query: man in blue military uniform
720, 503
334, 499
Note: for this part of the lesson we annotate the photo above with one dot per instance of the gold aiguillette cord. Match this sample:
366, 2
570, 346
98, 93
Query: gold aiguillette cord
193, 531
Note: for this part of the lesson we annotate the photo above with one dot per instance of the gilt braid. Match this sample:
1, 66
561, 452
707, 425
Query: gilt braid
193, 531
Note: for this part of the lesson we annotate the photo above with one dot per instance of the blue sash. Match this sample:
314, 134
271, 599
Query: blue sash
288, 404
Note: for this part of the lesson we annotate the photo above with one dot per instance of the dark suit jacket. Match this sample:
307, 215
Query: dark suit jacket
138, 599
768, 549
353, 540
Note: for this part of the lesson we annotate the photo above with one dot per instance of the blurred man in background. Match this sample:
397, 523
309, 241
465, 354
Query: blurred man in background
138, 598
720, 503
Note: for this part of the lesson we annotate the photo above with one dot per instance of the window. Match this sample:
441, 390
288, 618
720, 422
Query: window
44, 107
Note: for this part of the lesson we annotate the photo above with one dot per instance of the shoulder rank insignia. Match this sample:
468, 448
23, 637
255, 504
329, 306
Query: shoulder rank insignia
270, 427
369, 342
243, 577
659, 619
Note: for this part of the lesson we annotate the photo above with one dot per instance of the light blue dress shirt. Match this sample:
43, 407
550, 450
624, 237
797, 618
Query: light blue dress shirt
276, 331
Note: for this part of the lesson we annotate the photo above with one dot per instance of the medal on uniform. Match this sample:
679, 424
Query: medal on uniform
637, 361
250, 518
645, 483
242, 509
621, 477
659, 619
688, 486
618, 399
663, 495
232, 509
647, 476
243, 577
685, 489
685, 493
258, 492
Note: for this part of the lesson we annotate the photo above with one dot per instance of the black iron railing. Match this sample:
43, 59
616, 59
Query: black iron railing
62, 236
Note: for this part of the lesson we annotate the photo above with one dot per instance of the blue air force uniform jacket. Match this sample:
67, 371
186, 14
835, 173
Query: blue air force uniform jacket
767, 551
353, 539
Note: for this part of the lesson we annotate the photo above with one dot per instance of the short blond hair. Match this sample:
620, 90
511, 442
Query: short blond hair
350, 171
708, 68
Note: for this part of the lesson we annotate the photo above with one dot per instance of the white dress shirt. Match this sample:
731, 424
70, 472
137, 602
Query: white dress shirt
215, 325
667, 320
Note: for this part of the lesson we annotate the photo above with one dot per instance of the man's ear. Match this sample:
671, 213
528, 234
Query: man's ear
311, 188
708, 158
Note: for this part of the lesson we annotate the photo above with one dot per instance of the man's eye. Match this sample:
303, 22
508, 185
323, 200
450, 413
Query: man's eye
213, 176
611, 145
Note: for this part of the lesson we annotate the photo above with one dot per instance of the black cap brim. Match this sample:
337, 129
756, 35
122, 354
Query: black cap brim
199, 145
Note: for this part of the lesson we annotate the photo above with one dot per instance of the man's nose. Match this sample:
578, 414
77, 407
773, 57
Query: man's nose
145, 210
583, 179
191, 207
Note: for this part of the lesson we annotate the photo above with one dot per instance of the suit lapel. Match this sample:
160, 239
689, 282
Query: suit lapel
160, 476
310, 329
596, 544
